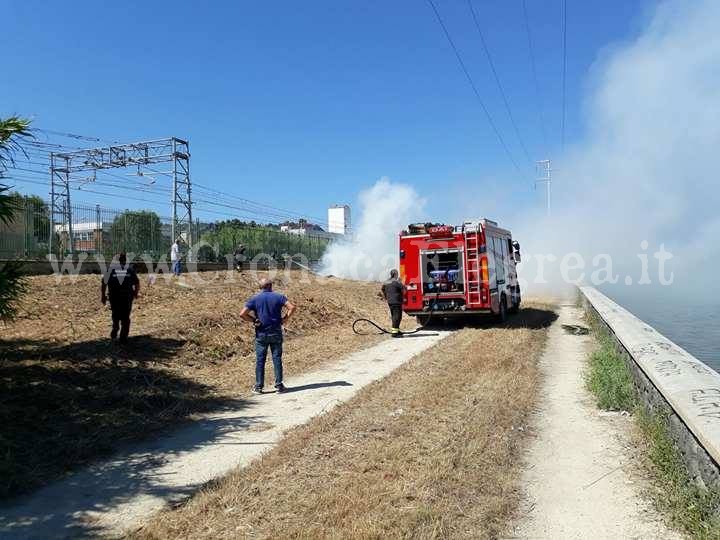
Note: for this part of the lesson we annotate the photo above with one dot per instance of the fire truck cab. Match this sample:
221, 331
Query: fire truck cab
459, 270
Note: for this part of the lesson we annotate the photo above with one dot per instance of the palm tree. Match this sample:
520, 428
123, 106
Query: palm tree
12, 283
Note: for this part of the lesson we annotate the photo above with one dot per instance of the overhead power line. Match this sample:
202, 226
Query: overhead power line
258, 204
44, 173
201, 208
244, 212
74, 136
564, 72
107, 194
47, 145
535, 76
497, 81
257, 208
37, 164
474, 88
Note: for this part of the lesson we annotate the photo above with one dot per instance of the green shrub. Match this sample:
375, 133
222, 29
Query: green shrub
691, 507
12, 286
609, 378
13, 130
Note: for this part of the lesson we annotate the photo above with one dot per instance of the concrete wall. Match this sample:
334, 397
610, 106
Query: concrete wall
669, 380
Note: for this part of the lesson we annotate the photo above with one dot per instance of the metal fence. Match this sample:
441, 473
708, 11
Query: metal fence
27, 236
101, 231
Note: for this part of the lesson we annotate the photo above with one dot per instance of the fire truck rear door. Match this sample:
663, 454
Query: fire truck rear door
492, 274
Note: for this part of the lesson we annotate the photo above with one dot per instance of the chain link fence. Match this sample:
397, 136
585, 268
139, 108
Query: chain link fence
102, 231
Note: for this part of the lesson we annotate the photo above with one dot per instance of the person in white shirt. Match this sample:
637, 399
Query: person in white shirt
175, 257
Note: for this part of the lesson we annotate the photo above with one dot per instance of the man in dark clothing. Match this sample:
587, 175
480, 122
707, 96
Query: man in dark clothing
122, 286
393, 291
268, 320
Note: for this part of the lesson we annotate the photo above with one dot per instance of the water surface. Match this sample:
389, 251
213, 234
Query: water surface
693, 325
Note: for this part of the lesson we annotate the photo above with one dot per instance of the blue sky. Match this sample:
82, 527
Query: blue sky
304, 104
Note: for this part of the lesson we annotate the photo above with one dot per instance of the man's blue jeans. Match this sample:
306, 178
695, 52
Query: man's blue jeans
176, 267
262, 342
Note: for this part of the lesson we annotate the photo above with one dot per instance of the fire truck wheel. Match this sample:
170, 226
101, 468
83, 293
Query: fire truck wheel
502, 314
515, 307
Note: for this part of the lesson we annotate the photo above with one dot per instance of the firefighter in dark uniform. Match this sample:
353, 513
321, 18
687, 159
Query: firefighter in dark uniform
392, 291
121, 286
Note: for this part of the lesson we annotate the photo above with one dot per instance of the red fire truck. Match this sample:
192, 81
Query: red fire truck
459, 270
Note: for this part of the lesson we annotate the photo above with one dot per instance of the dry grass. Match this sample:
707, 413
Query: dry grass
67, 395
430, 451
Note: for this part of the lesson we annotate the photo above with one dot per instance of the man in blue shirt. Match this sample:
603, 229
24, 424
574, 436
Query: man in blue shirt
268, 320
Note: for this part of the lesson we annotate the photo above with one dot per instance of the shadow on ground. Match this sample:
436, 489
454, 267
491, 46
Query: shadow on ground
530, 317
418, 334
64, 405
63, 507
316, 386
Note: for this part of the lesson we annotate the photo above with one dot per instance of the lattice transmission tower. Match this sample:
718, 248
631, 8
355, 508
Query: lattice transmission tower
177, 151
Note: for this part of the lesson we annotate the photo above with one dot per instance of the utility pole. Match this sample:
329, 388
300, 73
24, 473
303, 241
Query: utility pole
544, 177
182, 198
60, 209
98, 232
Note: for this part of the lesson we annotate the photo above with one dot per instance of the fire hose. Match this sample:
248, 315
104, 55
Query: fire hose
382, 330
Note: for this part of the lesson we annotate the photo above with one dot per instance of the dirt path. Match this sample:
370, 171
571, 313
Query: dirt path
431, 451
112, 497
579, 479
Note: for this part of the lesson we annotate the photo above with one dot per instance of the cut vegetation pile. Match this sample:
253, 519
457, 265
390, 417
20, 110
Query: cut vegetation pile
68, 395
430, 451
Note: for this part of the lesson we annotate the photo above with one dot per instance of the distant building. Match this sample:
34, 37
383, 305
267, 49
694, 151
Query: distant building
87, 236
303, 228
310, 233
339, 219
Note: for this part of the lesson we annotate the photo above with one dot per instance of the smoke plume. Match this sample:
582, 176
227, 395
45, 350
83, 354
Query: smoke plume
645, 173
385, 209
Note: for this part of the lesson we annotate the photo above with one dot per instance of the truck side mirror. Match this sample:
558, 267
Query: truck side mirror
516, 256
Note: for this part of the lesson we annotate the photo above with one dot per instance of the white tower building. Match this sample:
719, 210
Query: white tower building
339, 219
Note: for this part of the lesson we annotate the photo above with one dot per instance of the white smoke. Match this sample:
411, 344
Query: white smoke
643, 175
385, 209
647, 168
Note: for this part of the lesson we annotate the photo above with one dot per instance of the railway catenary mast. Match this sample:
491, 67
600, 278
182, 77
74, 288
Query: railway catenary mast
141, 154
